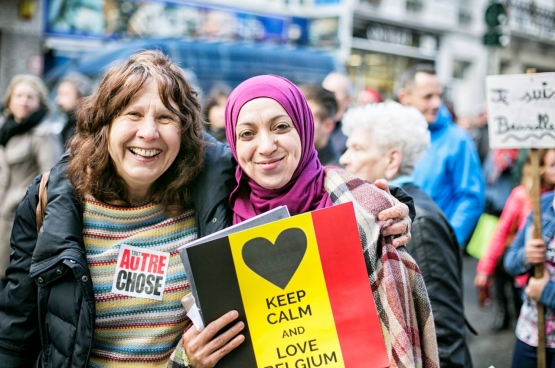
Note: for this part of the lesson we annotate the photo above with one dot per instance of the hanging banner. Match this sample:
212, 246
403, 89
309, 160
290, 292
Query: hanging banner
300, 285
115, 19
521, 110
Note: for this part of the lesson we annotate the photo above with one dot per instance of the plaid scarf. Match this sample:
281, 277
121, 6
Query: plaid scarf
397, 284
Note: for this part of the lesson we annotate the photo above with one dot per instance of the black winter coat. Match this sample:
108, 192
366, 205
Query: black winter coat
54, 308
435, 249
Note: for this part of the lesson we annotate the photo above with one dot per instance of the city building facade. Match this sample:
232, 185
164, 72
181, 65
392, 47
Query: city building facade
375, 40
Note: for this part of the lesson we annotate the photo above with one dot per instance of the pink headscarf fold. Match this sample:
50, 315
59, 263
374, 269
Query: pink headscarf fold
305, 191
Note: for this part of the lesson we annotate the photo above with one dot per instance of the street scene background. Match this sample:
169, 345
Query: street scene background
372, 42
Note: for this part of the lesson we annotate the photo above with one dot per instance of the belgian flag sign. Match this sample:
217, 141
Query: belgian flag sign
300, 285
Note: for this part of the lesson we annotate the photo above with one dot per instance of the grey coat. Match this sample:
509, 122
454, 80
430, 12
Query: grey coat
23, 158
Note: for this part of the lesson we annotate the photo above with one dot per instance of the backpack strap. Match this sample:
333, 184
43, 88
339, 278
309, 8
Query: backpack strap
43, 199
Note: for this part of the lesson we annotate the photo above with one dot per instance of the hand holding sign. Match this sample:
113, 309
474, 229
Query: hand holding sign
205, 351
534, 251
521, 114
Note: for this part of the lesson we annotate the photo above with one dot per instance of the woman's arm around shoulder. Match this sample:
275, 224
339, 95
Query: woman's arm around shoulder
210, 190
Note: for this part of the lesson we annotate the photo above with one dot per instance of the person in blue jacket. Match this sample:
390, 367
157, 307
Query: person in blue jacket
523, 254
449, 171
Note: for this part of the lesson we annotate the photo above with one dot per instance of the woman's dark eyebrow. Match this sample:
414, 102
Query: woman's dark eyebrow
277, 117
246, 123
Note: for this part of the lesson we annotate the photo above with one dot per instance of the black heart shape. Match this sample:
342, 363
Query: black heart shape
276, 263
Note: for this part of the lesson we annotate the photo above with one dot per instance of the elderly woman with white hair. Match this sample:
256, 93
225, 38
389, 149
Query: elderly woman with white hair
28, 147
385, 141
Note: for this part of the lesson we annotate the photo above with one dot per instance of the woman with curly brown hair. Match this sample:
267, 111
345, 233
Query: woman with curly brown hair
101, 283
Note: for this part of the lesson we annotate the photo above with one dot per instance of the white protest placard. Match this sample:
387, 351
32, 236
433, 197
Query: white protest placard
141, 272
521, 110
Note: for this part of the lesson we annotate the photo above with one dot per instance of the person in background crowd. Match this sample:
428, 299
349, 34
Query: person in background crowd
213, 112
342, 88
520, 259
28, 147
465, 122
385, 141
449, 171
451, 108
323, 105
499, 173
271, 134
480, 133
72, 88
490, 268
368, 96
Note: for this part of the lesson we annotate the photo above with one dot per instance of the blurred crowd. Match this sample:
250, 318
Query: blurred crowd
415, 142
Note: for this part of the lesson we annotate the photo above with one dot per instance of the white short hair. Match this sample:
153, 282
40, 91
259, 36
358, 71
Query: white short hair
392, 125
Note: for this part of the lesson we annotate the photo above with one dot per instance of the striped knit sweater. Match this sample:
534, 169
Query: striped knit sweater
131, 331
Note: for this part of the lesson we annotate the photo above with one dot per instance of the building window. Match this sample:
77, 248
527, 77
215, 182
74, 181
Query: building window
465, 12
460, 68
414, 5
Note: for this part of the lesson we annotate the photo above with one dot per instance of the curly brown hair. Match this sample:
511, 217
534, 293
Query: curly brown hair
91, 169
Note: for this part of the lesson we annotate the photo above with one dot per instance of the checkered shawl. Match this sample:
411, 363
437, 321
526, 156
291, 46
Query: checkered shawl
397, 284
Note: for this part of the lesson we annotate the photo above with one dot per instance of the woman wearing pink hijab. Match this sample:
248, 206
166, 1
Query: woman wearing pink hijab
270, 130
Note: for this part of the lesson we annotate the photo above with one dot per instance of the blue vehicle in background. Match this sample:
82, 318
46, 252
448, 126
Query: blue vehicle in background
208, 64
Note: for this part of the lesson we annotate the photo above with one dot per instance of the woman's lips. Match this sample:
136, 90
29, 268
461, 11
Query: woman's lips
269, 165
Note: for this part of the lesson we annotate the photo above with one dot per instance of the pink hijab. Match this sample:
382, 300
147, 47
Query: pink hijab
305, 191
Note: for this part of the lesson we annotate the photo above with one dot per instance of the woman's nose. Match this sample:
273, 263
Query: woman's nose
148, 129
267, 144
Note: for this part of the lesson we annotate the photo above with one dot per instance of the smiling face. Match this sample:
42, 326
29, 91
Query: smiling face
425, 94
24, 101
267, 143
144, 140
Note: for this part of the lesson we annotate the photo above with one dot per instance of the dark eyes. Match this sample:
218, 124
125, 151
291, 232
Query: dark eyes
282, 126
161, 118
245, 134
166, 118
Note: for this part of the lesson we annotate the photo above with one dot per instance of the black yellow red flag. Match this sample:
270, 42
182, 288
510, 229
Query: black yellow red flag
300, 285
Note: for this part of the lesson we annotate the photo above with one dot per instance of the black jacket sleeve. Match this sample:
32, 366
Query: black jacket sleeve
439, 259
405, 198
19, 332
